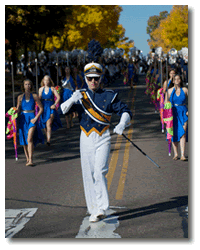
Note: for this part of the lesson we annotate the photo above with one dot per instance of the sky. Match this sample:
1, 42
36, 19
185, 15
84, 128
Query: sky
134, 19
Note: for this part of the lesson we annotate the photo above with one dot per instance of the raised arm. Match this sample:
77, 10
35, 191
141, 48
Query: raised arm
40, 92
168, 94
164, 87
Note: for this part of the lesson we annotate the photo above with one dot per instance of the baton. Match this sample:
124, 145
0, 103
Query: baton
36, 75
13, 84
57, 69
123, 135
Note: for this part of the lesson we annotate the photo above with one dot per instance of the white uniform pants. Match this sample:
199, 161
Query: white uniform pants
95, 151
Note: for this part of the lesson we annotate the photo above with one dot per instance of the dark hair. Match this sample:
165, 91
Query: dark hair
27, 80
66, 66
172, 69
73, 74
181, 83
172, 81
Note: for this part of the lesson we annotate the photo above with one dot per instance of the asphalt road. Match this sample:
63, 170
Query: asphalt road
146, 201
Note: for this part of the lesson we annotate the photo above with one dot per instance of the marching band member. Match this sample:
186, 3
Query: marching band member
49, 119
78, 78
68, 80
68, 87
95, 140
177, 96
29, 131
166, 84
131, 72
184, 69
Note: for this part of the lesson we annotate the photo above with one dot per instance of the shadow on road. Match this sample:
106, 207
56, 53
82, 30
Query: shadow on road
45, 203
158, 207
67, 141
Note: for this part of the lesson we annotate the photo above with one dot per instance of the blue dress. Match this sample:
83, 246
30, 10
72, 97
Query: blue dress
47, 102
70, 83
179, 115
130, 71
25, 123
65, 95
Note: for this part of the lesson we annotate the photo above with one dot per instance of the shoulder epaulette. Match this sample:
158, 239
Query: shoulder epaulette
82, 90
114, 94
110, 90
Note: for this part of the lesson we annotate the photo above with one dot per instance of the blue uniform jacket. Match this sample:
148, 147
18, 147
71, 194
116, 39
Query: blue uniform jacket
106, 102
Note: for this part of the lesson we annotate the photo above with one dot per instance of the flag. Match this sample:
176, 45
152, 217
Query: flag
168, 120
58, 89
160, 99
11, 129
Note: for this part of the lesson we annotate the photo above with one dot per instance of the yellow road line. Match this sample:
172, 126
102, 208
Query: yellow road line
114, 159
120, 189
121, 184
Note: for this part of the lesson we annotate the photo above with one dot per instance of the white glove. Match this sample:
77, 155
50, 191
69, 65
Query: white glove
65, 106
124, 122
77, 96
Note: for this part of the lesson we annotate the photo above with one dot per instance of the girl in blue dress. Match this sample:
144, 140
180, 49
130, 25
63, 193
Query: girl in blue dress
29, 131
68, 87
131, 71
81, 73
166, 85
78, 78
49, 120
177, 96
65, 95
68, 80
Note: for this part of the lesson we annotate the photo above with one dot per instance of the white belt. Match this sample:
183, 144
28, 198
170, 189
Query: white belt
179, 104
28, 111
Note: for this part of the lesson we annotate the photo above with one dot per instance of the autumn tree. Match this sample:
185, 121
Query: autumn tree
99, 22
23, 22
154, 22
126, 45
172, 31
45, 27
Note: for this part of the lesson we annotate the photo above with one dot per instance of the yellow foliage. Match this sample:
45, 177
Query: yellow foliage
99, 22
126, 46
53, 42
172, 31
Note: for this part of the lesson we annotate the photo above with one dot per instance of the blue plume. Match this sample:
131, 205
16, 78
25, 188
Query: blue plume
94, 51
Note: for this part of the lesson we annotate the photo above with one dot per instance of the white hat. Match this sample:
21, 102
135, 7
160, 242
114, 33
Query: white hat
93, 69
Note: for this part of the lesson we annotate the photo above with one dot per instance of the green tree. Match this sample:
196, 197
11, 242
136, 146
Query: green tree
22, 22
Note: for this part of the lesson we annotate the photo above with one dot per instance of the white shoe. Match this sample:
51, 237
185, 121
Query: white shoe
93, 218
97, 217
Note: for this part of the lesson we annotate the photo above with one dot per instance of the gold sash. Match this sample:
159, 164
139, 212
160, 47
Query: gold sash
90, 109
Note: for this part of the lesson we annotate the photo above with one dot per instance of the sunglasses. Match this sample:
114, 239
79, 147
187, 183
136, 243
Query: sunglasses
96, 78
